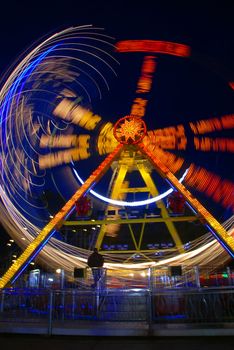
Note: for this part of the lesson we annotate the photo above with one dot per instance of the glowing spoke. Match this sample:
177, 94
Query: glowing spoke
62, 157
64, 141
213, 186
212, 124
207, 144
155, 46
76, 114
143, 87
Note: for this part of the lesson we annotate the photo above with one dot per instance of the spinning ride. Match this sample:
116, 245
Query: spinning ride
46, 103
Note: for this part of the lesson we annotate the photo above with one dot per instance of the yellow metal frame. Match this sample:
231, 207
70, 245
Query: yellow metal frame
130, 221
130, 161
216, 228
154, 192
37, 244
115, 193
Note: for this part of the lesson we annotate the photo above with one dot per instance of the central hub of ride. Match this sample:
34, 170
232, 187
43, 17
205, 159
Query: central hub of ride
129, 130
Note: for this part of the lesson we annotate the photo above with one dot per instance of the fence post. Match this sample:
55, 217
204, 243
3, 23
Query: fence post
73, 302
149, 311
149, 300
63, 303
197, 276
97, 300
185, 278
2, 300
150, 282
50, 312
62, 279
230, 282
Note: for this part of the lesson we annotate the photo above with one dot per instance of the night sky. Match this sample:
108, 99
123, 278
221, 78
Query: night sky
207, 27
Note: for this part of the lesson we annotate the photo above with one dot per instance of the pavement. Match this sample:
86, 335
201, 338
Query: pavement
36, 342
115, 329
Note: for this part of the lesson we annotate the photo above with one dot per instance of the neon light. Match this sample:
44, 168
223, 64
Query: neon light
214, 144
15, 85
139, 107
225, 246
131, 204
129, 130
212, 125
221, 191
156, 46
33, 256
143, 86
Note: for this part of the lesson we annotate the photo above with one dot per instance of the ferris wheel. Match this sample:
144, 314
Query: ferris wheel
150, 115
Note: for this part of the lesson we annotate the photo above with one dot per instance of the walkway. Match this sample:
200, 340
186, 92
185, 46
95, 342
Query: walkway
29, 342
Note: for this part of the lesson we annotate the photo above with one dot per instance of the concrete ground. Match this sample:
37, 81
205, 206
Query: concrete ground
36, 342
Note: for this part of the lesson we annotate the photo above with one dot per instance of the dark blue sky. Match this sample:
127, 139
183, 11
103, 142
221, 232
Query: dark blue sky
206, 26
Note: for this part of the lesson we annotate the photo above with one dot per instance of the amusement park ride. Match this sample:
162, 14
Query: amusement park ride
131, 148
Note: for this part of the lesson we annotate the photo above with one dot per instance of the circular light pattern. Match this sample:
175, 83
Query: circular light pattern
133, 203
47, 123
129, 130
62, 69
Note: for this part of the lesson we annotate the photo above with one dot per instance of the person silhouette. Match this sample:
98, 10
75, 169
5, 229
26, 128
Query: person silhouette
95, 262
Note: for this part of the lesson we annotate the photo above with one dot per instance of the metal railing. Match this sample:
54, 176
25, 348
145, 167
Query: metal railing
198, 306
153, 278
151, 296
49, 308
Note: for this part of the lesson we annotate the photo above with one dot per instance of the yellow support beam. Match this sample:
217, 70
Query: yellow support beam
135, 190
215, 227
128, 163
141, 235
130, 221
115, 194
37, 244
154, 192
133, 237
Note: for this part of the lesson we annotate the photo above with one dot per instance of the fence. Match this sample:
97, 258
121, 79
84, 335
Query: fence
198, 306
153, 278
52, 308
150, 296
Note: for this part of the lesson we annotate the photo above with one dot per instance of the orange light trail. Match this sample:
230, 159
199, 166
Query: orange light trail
143, 87
170, 138
214, 124
221, 191
165, 47
216, 144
